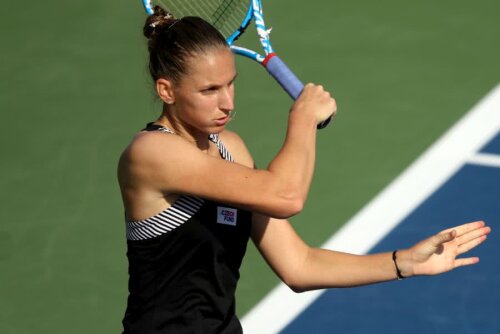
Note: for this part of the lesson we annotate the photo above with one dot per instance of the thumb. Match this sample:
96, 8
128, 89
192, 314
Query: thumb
441, 238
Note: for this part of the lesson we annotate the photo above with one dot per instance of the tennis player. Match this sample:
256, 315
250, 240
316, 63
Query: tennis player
193, 198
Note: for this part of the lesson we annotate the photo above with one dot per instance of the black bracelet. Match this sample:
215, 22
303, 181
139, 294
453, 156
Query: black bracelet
398, 272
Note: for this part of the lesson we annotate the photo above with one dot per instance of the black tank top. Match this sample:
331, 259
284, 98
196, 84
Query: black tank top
184, 265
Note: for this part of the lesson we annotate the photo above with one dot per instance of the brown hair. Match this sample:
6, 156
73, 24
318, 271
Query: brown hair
171, 41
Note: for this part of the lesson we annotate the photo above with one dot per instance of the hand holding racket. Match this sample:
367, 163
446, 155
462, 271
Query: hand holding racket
231, 18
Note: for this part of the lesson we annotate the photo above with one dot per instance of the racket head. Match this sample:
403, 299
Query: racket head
230, 17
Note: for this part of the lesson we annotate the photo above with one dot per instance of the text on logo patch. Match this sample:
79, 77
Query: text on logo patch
227, 216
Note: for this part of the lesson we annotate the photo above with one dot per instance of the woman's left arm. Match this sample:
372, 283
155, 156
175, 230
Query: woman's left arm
305, 268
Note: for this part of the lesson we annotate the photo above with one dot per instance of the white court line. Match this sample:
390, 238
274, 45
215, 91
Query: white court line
485, 159
389, 207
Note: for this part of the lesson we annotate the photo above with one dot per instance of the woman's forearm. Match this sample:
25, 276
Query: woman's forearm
294, 164
330, 269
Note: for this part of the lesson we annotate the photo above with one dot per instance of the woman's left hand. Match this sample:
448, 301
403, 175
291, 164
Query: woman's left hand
439, 253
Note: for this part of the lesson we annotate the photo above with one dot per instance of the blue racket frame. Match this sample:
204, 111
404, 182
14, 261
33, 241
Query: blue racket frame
271, 62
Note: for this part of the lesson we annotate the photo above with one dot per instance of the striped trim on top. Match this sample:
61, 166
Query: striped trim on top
222, 149
174, 216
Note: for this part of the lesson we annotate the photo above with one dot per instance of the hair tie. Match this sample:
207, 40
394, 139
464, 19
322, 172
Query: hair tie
166, 17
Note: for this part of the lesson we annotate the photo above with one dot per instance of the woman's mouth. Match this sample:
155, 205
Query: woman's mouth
222, 120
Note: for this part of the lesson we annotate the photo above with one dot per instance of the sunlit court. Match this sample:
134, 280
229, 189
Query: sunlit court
414, 148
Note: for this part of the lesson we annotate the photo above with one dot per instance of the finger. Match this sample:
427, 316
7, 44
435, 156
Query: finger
471, 244
471, 235
465, 228
466, 261
443, 237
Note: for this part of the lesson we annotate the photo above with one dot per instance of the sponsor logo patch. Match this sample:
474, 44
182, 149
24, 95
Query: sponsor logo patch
227, 216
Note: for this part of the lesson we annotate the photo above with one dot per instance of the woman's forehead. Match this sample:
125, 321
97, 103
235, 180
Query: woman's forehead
214, 63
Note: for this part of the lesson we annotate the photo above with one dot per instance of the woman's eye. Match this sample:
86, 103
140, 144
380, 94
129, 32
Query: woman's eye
209, 90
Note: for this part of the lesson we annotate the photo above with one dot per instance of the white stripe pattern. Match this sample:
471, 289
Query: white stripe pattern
174, 216
222, 149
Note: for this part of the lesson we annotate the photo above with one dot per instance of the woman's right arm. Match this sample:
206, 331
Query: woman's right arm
295, 161
171, 165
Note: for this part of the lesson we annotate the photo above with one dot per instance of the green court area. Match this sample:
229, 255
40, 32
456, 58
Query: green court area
74, 89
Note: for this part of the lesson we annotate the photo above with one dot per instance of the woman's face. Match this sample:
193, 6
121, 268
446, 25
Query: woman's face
204, 97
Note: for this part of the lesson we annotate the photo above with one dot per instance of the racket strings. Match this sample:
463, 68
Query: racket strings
224, 11
225, 15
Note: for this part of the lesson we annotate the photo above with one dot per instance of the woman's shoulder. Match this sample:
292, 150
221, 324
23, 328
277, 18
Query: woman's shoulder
231, 137
148, 147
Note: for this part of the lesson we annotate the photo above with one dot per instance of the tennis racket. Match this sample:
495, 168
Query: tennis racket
231, 18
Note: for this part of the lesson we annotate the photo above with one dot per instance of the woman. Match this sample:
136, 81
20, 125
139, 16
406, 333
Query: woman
193, 199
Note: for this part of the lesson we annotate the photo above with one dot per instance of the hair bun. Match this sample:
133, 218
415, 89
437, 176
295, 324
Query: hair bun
160, 18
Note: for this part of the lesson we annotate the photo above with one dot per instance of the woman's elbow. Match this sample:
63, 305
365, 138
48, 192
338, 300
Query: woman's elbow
283, 199
295, 280
297, 288
288, 208
295, 285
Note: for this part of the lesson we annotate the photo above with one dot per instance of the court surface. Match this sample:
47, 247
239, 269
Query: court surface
74, 89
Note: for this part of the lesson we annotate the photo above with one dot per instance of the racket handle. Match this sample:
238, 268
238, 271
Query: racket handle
287, 79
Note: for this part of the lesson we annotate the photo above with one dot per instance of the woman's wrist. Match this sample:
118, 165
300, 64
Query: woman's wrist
395, 261
402, 264
302, 119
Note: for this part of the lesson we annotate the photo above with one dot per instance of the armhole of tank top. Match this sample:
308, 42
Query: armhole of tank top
166, 221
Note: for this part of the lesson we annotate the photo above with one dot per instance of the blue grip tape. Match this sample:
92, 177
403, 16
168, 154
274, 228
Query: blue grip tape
289, 81
285, 77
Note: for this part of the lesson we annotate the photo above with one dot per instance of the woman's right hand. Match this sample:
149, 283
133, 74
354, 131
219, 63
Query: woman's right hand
316, 101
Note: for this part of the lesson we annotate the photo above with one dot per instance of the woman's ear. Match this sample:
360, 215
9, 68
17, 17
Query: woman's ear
165, 90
